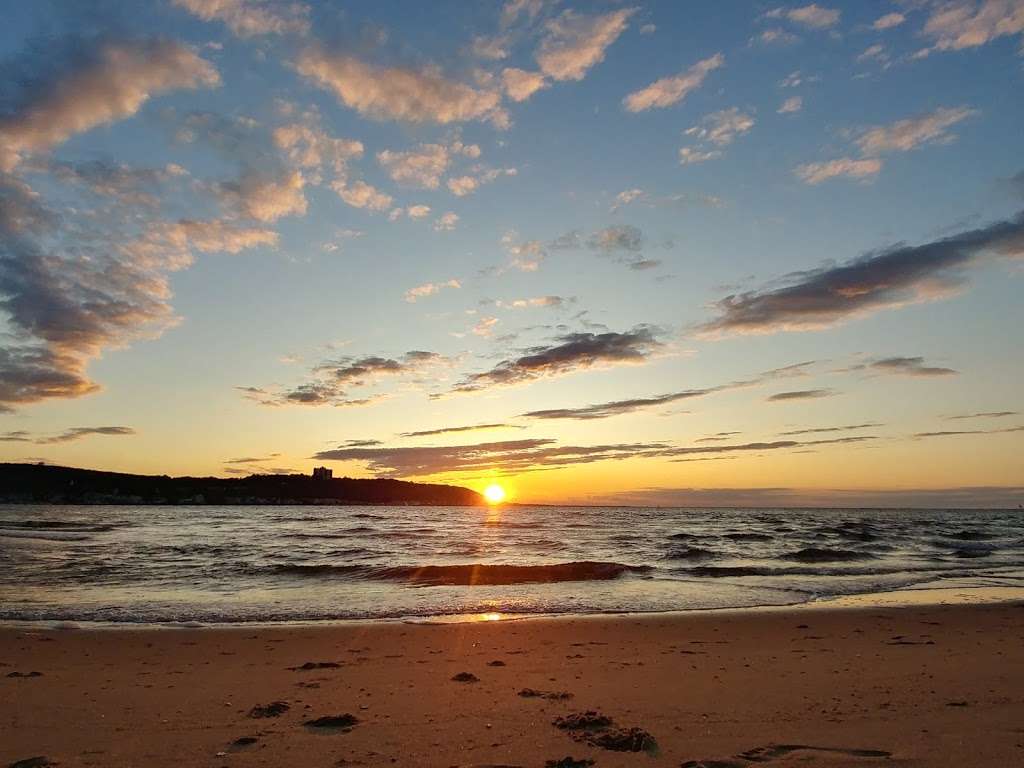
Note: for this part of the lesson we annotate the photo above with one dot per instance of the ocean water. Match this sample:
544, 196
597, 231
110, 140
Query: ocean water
268, 564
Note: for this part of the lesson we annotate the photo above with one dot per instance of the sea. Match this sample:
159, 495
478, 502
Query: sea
211, 565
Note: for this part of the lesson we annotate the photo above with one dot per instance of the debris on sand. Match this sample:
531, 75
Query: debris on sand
582, 721
273, 709
315, 665
533, 693
599, 730
339, 722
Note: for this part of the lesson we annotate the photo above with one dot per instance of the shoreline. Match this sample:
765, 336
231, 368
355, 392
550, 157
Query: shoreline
924, 596
925, 685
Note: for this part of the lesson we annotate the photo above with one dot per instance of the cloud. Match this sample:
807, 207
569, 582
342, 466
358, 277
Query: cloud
491, 48
421, 168
252, 459
619, 407
894, 277
329, 381
520, 84
74, 284
121, 182
485, 326
461, 186
247, 18
815, 173
888, 21
909, 134
874, 52
671, 90
962, 24
570, 353
429, 289
800, 394
775, 36
812, 16
617, 239
905, 366
104, 82
791, 105
396, 93
530, 455
359, 194
446, 222
984, 415
689, 155
574, 42
450, 430
901, 136
554, 302
525, 256
615, 407
67, 436
719, 129
265, 197
508, 455
308, 147
956, 433
77, 433
820, 430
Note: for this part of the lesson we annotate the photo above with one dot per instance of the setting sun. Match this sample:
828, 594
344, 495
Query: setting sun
494, 494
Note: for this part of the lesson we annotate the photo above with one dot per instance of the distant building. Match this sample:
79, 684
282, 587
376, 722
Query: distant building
322, 473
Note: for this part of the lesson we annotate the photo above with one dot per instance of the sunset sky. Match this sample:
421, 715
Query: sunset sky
654, 253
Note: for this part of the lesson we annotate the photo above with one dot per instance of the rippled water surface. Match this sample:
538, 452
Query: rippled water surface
210, 564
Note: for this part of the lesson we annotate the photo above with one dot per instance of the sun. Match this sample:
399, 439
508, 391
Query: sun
494, 494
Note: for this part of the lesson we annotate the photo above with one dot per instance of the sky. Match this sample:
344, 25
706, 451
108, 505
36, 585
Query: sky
603, 253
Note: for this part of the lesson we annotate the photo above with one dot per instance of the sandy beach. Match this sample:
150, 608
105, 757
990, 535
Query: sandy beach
932, 685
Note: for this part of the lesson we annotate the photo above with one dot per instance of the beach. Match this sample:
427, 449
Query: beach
846, 683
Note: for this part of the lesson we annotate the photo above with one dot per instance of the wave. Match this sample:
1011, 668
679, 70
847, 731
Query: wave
475, 574
73, 526
690, 553
44, 535
825, 555
749, 536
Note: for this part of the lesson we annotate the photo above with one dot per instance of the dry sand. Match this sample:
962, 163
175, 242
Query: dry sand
905, 686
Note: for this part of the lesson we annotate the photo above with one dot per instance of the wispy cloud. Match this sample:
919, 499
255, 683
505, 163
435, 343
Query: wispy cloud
800, 394
397, 93
904, 274
429, 289
248, 18
983, 415
103, 81
574, 42
67, 436
671, 90
568, 354
329, 382
874, 141
631, 405
467, 428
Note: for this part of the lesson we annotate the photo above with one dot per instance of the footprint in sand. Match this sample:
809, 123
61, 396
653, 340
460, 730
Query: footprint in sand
776, 751
772, 752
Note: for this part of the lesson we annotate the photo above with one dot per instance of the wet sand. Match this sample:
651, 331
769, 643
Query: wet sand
859, 686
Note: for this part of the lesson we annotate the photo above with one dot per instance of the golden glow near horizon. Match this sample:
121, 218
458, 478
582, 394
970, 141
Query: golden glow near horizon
494, 494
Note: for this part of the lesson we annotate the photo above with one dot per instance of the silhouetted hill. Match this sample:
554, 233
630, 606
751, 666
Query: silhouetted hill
44, 484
